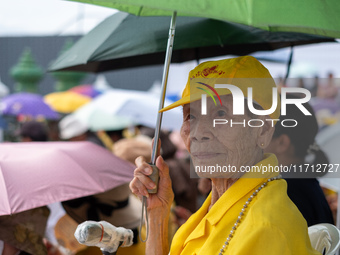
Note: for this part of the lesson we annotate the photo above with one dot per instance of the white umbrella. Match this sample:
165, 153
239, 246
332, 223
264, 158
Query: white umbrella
138, 107
101, 83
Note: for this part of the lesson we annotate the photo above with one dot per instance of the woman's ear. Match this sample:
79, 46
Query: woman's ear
265, 133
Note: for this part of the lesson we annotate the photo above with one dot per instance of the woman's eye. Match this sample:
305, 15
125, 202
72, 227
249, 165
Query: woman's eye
189, 117
221, 113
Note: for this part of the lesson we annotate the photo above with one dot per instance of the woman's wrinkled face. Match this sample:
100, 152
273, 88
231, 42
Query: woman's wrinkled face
223, 145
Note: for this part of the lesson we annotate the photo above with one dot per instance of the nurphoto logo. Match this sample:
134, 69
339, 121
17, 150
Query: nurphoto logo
239, 99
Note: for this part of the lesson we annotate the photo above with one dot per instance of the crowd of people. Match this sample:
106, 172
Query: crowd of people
59, 238
217, 213
325, 96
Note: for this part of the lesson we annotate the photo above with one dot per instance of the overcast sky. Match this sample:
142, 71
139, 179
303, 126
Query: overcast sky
58, 17
49, 17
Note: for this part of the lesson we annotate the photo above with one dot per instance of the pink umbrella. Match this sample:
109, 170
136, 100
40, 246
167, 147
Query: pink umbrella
39, 173
86, 90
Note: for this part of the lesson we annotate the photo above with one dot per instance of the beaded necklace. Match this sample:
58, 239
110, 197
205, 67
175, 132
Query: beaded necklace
237, 223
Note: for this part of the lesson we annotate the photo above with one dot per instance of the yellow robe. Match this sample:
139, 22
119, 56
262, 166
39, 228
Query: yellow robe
272, 224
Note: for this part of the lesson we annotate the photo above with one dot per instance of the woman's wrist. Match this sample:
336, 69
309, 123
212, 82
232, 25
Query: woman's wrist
159, 212
158, 243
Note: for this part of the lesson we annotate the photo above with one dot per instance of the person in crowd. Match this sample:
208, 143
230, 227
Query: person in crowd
23, 233
315, 86
297, 146
71, 129
33, 131
328, 90
53, 130
241, 215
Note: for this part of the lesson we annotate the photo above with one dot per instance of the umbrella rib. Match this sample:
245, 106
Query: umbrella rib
83, 170
140, 10
5, 190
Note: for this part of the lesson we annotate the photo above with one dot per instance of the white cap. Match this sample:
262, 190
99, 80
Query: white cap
70, 127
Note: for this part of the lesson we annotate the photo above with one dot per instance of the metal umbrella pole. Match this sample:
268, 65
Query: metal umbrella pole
288, 65
155, 175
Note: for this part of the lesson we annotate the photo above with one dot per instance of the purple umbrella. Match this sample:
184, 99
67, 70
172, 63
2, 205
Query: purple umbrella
321, 103
27, 104
86, 90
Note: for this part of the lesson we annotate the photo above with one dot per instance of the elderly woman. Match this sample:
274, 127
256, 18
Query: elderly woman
246, 212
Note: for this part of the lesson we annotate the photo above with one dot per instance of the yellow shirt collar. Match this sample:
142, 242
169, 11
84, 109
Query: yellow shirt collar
236, 192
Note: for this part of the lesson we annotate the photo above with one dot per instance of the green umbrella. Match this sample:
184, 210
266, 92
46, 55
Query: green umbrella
307, 16
109, 46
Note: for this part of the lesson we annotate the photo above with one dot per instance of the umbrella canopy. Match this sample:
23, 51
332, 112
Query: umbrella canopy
136, 107
27, 104
306, 16
66, 101
110, 45
86, 90
36, 174
94, 119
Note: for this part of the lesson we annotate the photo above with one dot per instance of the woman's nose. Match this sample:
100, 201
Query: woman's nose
201, 132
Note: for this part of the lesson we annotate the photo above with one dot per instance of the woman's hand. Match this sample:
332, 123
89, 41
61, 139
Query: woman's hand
141, 182
158, 205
